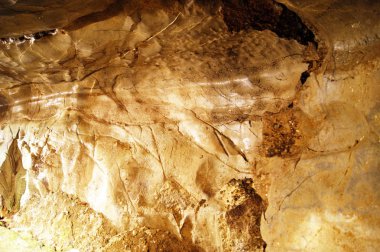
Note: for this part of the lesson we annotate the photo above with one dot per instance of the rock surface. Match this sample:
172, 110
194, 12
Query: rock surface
154, 126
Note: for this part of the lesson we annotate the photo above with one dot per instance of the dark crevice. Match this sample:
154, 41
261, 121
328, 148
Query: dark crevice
304, 77
28, 37
270, 15
266, 15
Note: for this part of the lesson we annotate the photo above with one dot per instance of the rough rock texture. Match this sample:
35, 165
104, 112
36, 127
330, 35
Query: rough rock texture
63, 222
329, 200
20, 17
154, 126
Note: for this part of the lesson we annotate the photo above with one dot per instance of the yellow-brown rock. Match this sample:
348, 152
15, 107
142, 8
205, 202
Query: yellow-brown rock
182, 126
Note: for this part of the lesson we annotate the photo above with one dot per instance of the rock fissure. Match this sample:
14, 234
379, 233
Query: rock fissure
28, 37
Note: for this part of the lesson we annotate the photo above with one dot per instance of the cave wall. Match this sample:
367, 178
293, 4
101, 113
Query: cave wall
175, 127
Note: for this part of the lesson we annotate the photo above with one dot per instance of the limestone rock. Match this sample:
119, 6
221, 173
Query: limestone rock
191, 126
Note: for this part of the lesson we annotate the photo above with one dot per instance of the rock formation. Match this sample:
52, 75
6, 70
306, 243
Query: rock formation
155, 125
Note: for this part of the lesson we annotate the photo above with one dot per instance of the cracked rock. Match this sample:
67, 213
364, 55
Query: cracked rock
190, 125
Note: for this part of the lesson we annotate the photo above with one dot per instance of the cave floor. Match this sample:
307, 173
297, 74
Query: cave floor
20, 241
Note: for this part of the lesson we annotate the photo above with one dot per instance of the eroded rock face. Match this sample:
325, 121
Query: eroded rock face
186, 134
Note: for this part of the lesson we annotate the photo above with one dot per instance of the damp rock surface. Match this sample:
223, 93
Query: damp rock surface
191, 126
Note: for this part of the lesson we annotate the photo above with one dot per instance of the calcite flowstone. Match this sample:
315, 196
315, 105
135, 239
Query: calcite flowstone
153, 126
